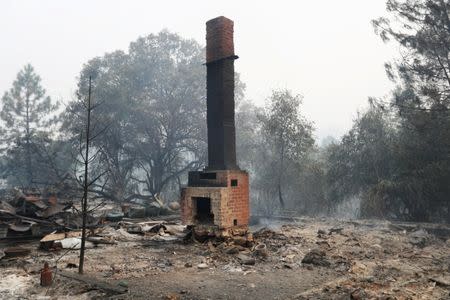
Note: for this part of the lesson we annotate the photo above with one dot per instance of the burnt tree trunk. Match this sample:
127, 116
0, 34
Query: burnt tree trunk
86, 184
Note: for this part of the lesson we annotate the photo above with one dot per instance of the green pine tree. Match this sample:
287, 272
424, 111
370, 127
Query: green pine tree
28, 115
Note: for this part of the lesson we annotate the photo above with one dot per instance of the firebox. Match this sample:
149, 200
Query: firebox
217, 198
203, 213
221, 202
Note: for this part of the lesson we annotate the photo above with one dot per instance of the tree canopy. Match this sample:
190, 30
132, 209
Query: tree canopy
29, 118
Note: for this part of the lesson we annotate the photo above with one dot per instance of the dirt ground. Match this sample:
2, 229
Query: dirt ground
306, 259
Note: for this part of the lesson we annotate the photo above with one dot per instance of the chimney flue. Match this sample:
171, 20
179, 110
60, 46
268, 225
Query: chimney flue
220, 94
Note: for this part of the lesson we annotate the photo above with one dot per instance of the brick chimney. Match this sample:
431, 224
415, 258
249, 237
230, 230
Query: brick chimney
216, 200
220, 94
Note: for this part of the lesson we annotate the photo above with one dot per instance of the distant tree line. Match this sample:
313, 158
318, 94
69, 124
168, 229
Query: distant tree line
396, 158
149, 124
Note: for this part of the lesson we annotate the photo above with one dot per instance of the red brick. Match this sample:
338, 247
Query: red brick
219, 37
228, 203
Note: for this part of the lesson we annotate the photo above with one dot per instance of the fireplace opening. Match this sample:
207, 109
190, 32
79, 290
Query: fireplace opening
203, 214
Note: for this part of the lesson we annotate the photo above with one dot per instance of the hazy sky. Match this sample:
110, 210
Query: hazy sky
325, 50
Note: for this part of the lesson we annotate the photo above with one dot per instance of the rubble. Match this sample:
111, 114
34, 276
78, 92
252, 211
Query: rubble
316, 257
419, 238
364, 260
114, 216
33, 214
74, 243
202, 266
6, 207
94, 282
174, 206
15, 252
246, 260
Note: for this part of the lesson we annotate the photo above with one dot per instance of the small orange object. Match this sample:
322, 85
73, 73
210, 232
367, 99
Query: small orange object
46, 275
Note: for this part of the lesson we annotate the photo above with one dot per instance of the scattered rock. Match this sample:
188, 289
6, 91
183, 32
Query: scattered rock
358, 294
202, 266
246, 260
232, 269
321, 232
419, 238
368, 279
337, 230
172, 296
188, 265
316, 257
342, 266
240, 240
323, 243
441, 281
232, 250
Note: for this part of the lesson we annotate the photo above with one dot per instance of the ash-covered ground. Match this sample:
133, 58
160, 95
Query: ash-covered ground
300, 259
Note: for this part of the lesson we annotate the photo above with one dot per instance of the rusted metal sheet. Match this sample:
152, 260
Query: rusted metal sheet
51, 211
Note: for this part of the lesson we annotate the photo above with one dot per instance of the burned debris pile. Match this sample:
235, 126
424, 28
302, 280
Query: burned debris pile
332, 259
32, 213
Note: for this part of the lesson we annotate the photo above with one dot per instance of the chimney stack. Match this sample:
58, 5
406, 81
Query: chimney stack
220, 94
215, 201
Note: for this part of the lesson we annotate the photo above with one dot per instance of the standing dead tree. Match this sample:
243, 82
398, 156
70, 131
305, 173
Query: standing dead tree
86, 139
86, 186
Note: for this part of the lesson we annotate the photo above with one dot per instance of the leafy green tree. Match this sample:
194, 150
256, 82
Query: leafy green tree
422, 28
152, 101
287, 138
172, 111
248, 134
113, 130
422, 103
28, 116
363, 162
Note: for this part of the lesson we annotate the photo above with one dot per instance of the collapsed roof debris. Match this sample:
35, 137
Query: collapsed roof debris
32, 214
